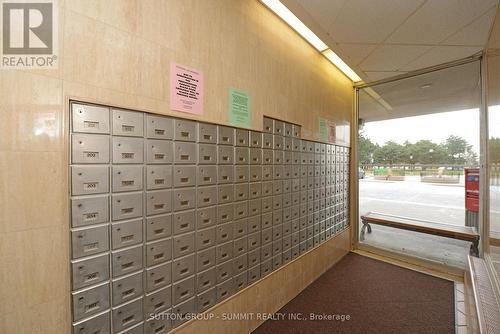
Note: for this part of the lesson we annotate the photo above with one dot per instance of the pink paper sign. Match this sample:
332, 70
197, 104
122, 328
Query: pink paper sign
331, 132
186, 89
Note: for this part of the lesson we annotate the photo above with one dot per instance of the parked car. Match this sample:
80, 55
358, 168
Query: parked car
361, 173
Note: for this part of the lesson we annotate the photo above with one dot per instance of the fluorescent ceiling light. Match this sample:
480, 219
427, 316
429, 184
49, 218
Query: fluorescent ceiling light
279, 9
332, 56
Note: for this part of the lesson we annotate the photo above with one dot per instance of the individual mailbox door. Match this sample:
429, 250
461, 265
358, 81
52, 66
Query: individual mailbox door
205, 238
184, 244
159, 127
253, 241
126, 261
240, 264
89, 149
128, 123
226, 193
224, 271
184, 130
206, 300
255, 173
205, 259
279, 127
184, 199
242, 137
225, 213
254, 224
127, 178
89, 210
255, 139
126, 234
90, 241
242, 155
127, 288
266, 220
158, 177
128, 150
207, 175
207, 154
296, 131
158, 252
183, 290
206, 217
241, 192
253, 274
207, 133
158, 301
207, 196
205, 280
184, 176
255, 190
224, 252
89, 119
225, 155
87, 180
288, 130
90, 301
225, 174
267, 157
126, 206
99, 324
184, 222
159, 151
241, 174
127, 315
183, 267
253, 257
158, 227
90, 271
224, 233
185, 153
226, 135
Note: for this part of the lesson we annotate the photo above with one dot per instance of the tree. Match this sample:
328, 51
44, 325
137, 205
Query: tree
427, 152
458, 150
390, 153
365, 149
494, 148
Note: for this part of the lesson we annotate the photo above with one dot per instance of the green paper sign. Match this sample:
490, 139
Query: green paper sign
239, 108
323, 129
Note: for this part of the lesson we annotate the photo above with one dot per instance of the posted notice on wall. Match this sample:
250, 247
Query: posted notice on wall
186, 89
323, 129
239, 108
331, 131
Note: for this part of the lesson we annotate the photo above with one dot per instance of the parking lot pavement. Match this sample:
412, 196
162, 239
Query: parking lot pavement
411, 198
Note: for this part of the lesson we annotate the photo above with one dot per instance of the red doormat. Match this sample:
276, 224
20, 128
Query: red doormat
363, 295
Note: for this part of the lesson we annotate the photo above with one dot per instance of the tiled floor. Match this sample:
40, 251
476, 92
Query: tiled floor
460, 323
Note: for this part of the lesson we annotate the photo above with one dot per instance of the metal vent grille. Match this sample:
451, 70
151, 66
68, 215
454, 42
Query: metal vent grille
487, 304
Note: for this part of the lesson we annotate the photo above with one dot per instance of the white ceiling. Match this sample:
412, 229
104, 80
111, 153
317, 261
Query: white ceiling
384, 38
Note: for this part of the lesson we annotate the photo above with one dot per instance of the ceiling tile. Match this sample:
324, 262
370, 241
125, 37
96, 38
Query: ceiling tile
368, 21
374, 76
441, 54
438, 19
324, 12
355, 52
475, 33
392, 57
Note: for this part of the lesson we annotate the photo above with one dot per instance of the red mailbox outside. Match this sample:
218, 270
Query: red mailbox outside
472, 189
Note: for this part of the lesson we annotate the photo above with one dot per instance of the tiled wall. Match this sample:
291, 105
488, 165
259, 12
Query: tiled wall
118, 53
170, 216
